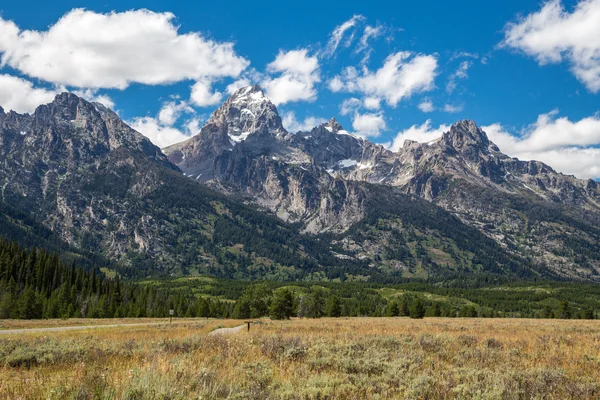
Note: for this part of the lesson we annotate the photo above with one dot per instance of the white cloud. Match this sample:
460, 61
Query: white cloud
161, 135
463, 54
460, 73
336, 84
401, 75
350, 106
426, 106
338, 34
368, 125
171, 111
550, 132
424, 133
571, 147
299, 73
291, 124
568, 146
450, 108
20, 96
202, 94
192, 126
552, 35
372, 103
237, 85
92, 50
370, 32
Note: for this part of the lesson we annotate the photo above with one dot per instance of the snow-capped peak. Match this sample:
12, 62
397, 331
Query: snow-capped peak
246, 112
249, 95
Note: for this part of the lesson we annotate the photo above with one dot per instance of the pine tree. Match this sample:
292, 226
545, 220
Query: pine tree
334, 306
29, 308
282, 306
394, 309
565, 310
418, 310
404, 309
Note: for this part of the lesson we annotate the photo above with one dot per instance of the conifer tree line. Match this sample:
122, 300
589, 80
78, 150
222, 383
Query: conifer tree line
36, 284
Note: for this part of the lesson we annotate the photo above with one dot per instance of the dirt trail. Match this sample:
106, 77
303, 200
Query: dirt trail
227, 331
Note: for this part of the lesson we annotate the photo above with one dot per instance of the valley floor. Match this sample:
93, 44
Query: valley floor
354, 358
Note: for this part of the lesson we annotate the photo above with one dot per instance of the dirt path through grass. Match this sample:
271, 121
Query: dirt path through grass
227, 331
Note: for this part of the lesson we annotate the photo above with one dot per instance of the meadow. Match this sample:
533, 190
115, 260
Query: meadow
329, 358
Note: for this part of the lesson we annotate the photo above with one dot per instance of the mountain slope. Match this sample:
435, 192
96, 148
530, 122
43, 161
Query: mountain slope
75, 168
315, 179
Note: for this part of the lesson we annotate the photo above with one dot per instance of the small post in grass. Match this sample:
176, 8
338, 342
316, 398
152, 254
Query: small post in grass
248, 322
171, 312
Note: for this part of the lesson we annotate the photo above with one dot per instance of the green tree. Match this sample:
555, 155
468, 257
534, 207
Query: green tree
404, 308
418, 309
394, 309
434, 310
29, 305
334, 306
282, 306
316, 304
547, 312
565, 310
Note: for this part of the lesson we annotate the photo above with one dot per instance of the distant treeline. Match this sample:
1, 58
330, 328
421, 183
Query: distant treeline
37, 284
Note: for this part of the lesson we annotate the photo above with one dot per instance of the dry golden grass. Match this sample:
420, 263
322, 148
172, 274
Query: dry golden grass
357, 358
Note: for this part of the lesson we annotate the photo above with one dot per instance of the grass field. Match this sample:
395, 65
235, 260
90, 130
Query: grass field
357, 358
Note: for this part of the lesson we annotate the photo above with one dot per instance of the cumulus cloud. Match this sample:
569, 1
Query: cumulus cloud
460, 73
338, 34
237, 85
426, 106
568, 146
162, 130
291, 123
202, 94
552, 35
402, 75
192, 125
86, 49
298, 74
372, 103
161, 135
336, 84
424, 133
21, 96
368, 125
171, 111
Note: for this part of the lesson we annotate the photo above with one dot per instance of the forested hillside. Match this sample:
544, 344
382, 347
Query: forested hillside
36, 284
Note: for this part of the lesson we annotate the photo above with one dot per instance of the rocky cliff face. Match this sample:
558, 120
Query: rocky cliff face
317, 179
244, 149
456, 204
78, 170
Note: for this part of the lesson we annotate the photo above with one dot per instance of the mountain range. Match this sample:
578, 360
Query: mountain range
245, 198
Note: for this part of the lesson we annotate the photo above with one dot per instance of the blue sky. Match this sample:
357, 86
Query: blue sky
527, 71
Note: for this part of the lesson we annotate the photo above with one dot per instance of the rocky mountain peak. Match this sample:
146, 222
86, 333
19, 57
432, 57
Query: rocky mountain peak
465, 133
246, 112
333, 125
467, 138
